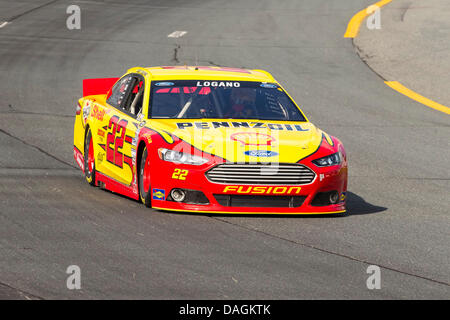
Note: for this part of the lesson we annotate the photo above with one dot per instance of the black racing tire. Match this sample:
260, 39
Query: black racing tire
144, 192
89, 158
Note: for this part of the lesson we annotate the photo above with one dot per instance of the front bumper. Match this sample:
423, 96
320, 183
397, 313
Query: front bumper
166, 176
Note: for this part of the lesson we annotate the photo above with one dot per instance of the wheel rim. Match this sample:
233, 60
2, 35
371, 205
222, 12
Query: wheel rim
91, 156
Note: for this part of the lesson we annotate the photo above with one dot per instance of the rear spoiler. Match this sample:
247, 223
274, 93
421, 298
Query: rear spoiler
97, 86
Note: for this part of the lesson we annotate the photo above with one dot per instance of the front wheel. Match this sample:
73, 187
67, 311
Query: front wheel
144, 180
89, 160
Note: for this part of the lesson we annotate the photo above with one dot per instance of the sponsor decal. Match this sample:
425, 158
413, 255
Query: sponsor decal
86, 110
100, 157
147, 136
241, 124
136, 136
79, 159
253, 138
268, 85
97, 113
159, 194
101, 133
225, 84
136, 190
261, 190
343, 196
164, 84
260, 153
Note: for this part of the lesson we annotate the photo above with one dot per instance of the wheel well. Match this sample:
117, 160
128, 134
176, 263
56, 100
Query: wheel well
84, 140
140, 150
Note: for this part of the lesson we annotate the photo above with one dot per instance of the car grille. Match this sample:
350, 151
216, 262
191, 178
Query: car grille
259, 201
279, 174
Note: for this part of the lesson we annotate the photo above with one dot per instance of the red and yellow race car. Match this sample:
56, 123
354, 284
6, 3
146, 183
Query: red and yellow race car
207, 139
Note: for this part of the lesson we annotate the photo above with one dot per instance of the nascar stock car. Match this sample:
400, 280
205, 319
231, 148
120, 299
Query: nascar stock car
207, 139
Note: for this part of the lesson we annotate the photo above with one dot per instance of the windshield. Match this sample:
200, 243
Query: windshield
192, 99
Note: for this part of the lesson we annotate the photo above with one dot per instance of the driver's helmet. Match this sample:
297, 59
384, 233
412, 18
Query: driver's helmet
243, 96
242, 102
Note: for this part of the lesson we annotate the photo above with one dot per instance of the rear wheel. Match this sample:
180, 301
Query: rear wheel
89, 160
144, 179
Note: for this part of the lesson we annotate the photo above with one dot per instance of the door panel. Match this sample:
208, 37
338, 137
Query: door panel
120, 127
118, 147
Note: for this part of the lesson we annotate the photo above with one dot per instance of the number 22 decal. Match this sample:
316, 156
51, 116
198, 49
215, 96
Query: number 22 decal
115, 137
180, 174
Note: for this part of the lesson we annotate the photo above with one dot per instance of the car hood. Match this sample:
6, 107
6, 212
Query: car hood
246, 140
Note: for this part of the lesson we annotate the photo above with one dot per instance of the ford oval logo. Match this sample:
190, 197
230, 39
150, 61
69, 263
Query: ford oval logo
268, 85
164, 84
260, 153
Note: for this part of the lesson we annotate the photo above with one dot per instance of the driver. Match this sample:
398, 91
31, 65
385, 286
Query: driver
242, 102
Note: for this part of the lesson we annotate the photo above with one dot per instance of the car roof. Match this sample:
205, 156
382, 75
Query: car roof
206, 73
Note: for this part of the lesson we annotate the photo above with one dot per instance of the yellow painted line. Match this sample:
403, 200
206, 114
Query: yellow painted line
415, 96
355, 23
352, 31
228, 212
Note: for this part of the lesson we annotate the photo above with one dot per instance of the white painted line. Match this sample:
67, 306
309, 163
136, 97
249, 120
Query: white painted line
3, 24
177, 34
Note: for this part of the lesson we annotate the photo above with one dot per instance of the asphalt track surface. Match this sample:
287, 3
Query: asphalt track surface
50, 218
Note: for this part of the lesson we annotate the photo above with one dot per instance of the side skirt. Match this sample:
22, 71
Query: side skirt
110, 184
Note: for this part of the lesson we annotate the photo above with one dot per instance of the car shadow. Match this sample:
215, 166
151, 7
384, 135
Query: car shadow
356, 205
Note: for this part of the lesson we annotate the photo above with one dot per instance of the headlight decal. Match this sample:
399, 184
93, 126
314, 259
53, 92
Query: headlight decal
180, 157
330, 160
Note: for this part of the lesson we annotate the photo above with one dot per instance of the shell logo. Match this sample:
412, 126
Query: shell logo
253, 138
